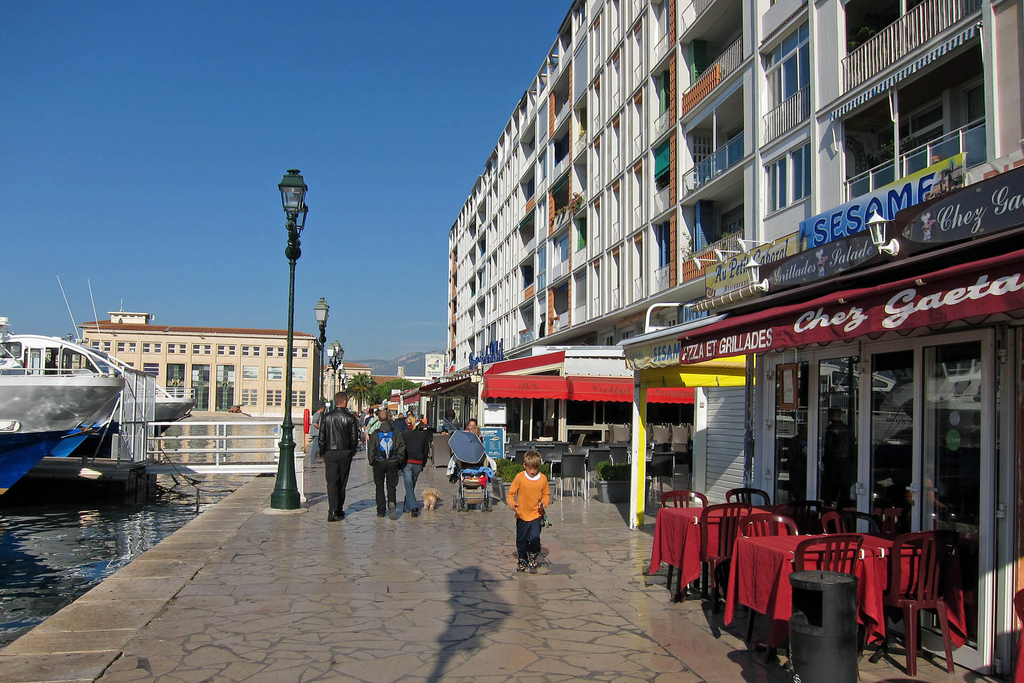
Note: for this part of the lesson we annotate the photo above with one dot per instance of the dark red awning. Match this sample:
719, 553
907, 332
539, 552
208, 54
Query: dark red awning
525, 386
601, 389
966, 290
526, 363
670, 395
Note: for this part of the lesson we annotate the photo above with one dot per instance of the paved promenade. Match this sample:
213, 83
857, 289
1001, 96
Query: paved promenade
243, 595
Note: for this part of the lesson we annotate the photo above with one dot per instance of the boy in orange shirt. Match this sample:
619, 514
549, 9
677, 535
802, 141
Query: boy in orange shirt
527, 497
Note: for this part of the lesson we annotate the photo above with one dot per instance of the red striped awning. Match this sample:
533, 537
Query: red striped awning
670, 395
601, 389
525, 386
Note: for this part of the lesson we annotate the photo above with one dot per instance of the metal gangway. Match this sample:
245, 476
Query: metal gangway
219, 447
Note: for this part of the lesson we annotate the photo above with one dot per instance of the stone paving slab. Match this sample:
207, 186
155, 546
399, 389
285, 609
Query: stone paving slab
237, 595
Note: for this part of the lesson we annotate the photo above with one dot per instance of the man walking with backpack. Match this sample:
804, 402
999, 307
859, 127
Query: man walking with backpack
385, 449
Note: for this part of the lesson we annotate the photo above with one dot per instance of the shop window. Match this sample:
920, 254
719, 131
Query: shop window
791, 431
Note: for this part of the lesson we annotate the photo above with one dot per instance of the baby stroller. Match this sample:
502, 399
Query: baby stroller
470, 468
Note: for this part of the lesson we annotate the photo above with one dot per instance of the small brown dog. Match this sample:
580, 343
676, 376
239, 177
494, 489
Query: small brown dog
431, 497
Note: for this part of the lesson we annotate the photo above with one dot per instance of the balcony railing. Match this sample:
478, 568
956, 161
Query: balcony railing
581, 144
661, 124
615, 232
899, 38
701, 6
638, 75
560, 322
711, 77
528, 247
969, 139
638, 145
615, 299
562, 164
725, 157
638, 289
662, 200
526, 337
616, 162
638, 215
579, 314
786, 116
661, 48
661, 279
558, 269
597, 174
595, 307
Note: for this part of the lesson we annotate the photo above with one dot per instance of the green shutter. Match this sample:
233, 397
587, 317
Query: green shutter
560, 185
662, 159
698, 58
663, 95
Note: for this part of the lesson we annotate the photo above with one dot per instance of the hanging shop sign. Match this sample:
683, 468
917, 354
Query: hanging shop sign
733, 274
852, 217
994, 285
987, 207
822, 262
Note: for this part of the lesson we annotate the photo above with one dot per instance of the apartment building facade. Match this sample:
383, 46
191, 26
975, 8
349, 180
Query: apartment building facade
220, 367
661, 145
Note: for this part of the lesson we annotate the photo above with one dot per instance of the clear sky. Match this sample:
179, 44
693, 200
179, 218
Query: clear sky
143, 144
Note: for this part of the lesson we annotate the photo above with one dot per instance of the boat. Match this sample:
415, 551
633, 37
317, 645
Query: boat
50, 398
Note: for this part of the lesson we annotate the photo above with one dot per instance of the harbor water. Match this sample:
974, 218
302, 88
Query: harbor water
50, 554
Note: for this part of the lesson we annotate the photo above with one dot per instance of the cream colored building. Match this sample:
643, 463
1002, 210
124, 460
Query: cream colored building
220, 366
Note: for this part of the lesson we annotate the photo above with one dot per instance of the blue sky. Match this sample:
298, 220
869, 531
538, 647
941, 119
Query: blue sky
144, 143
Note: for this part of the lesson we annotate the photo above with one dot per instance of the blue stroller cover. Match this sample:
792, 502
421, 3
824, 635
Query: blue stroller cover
467, 448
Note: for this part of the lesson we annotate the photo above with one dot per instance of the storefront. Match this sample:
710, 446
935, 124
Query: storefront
894, 386
714, 399
458, 395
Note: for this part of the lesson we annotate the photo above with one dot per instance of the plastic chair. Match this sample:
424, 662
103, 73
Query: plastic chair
618, 454
574, 467
806, 514
747, 496
754, 526
683, 499
892, 521
727, 516
519, 453
596, 456
845, 522
661, 466
836, 553
919, 585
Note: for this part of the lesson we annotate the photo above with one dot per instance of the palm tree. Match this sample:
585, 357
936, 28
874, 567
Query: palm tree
361, 387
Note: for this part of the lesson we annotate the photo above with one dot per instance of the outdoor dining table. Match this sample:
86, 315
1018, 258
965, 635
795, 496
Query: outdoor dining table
677, 541
759, 579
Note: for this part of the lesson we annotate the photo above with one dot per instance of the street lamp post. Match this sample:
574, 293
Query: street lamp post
293, 194
321, 310
335, 355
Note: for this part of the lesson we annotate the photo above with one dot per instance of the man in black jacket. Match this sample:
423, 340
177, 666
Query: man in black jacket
339, 440
385, 449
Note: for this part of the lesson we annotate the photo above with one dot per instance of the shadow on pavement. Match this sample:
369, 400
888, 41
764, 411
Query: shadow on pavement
472, 617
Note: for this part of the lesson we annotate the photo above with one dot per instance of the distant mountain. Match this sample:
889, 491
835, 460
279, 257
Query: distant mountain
414, 363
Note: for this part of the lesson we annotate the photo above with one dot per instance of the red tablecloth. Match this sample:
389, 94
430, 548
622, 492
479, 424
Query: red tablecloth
760, 579
677, 540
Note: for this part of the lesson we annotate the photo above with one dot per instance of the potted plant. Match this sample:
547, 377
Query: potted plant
613, 482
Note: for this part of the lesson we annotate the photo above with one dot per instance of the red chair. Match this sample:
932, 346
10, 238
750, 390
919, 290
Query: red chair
727, 516
764, 525
832, 523
683, 499
767, 525
892, 521
806, 514
1018, 606
747, 496
916, 582
836, 553
845, 522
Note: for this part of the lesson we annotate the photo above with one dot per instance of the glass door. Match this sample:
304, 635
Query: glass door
201, 386
892, 438
838, 394
791, 431
226, 387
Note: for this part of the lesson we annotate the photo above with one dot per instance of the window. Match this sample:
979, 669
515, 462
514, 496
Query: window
106, 346
147, 347
777, 185
157, 346
788, 67
581, 234
201, 348
273, 397
175, 375
152, 369
132, 347
298, 399
250, 397
299, 374
783, 188
195, 349
802, 172
662, 236
224, 350
95, 343
250, 372
172, 348
275, 372
120, 347
300, 353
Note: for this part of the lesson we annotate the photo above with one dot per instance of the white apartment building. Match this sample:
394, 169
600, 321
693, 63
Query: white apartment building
657, 135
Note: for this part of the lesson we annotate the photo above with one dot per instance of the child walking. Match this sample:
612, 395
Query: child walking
527, 497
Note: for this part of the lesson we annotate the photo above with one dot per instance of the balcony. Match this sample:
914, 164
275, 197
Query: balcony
713, 76
639, 291
661, 124
562, 217
615, 299
898, 39
701, 6
662, 200
970, 139
638, 75
615, 233
562, 164
560, 322
580, 146
595, 307
660, 49
638, 145
562, 112
710, 168
661, 279
526, 336
558, 270
579, 313
785, 117
638, 215
529, 246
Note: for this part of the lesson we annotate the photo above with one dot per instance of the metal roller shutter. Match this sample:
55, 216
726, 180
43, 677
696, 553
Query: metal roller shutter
725, 432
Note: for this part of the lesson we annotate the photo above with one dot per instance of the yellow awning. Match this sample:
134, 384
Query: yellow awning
722, 372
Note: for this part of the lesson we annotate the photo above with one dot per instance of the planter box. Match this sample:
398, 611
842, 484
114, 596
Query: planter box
613, 491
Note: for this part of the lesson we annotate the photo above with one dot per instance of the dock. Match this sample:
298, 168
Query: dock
243, 593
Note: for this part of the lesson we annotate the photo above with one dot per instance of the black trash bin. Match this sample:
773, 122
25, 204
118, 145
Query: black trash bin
823, 627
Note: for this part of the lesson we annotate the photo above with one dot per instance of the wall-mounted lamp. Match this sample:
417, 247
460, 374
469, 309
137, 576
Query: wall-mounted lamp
754, 268
720, 254
747, 245
700, 261
876, 225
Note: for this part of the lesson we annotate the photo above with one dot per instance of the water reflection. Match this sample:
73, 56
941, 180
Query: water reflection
51, 554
